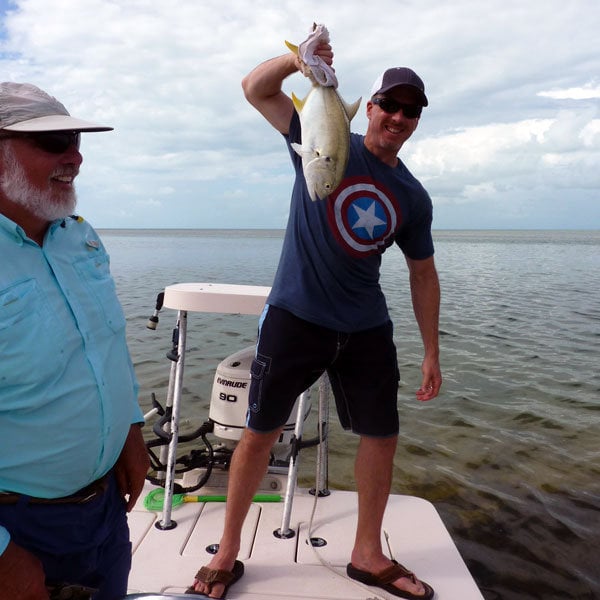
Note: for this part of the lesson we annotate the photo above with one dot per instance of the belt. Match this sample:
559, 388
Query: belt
83, 496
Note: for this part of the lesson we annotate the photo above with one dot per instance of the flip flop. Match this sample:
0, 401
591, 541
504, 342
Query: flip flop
385, 578
212, 576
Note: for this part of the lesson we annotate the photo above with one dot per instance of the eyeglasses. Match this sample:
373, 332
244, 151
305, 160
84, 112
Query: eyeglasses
391, 106
54, 142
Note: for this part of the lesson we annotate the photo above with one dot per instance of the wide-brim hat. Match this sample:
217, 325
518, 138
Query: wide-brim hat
28, 109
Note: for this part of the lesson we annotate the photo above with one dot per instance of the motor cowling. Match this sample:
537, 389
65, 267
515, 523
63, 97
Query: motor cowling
229, 399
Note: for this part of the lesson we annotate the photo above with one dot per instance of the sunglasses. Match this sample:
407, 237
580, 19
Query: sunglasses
391, 106
54, 142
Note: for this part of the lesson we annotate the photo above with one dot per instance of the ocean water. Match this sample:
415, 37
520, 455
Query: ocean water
509, 453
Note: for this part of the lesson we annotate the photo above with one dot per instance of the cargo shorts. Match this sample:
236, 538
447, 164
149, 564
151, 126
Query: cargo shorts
293, 353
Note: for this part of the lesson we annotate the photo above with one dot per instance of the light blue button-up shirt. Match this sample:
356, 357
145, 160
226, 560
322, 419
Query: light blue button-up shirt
68, 392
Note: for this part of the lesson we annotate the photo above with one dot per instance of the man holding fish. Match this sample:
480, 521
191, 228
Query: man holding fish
326, 310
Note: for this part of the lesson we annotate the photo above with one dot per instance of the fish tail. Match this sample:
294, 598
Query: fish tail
292, 47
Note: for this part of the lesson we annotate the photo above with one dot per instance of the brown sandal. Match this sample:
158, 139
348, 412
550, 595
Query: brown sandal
212, 576
385, 578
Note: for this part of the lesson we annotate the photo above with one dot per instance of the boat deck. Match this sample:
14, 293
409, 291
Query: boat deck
165, 561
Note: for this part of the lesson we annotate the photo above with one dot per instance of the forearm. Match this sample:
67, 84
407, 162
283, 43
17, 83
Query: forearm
132, 466
21, 575
425, 292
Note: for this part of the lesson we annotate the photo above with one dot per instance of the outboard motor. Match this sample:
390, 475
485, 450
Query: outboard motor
229, 404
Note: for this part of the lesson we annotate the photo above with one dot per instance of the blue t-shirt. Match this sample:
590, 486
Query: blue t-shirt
68, 392
328, 272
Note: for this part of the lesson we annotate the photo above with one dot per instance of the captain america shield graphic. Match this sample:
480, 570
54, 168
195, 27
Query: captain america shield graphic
363, 216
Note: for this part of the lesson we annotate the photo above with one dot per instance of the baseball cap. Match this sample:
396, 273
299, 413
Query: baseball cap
399, 76
26, 108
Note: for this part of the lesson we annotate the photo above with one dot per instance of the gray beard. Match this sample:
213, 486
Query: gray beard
39, 203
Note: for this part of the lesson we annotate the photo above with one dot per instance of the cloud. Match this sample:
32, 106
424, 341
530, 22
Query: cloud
513, 116
586, 92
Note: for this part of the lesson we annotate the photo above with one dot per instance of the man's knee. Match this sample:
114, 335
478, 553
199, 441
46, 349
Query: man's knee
258, 443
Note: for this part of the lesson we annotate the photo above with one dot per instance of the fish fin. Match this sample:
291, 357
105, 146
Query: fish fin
297, 148
351, 109
292, 47
298, 104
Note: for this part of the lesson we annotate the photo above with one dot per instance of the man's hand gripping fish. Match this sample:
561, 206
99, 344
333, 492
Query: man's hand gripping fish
324, 118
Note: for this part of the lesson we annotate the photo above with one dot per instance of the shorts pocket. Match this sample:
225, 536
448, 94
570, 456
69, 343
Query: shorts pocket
259, 366
258, 369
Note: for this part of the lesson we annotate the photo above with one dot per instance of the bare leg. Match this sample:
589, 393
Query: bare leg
373, 472
248, 466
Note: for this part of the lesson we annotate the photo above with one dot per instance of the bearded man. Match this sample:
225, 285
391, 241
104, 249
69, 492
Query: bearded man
72, 455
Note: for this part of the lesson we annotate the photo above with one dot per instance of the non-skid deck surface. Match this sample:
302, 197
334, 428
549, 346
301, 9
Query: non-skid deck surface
166, 561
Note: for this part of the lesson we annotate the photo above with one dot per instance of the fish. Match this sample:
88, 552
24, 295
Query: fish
325, 121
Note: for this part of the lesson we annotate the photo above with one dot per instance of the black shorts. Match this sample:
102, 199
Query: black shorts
291, 356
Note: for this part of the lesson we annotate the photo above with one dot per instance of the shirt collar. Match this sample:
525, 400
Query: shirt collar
15, 232
11, 230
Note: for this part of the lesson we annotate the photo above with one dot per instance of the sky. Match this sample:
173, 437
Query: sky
510, 140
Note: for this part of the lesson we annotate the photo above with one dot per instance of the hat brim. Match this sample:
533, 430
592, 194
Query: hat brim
422, 97
56, 123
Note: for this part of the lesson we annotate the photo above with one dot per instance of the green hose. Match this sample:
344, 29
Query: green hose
154, 501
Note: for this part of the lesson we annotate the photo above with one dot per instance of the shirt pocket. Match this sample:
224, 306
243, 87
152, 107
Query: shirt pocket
30, 339
99, 295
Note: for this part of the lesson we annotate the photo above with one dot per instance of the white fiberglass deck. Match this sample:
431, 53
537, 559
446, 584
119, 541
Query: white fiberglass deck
166, 561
